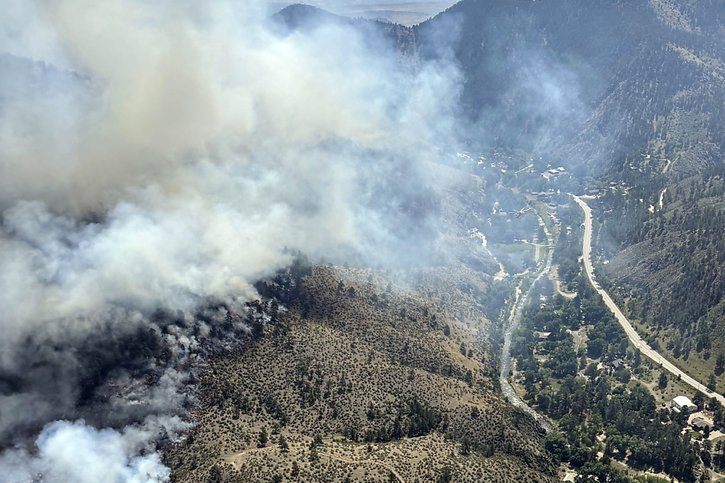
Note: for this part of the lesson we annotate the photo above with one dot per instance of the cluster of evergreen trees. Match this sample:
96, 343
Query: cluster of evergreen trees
413, 418
597, 409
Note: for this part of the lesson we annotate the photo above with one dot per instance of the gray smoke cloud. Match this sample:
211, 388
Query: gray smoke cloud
161, 155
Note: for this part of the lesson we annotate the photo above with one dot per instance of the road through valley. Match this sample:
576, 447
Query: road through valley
632, 334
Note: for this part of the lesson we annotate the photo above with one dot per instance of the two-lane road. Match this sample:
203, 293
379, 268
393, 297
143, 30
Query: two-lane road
634, 337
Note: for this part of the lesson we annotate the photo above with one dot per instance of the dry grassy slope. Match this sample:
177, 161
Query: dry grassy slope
371, 351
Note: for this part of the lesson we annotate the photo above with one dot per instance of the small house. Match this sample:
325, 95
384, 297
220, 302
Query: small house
701, 424
542, 335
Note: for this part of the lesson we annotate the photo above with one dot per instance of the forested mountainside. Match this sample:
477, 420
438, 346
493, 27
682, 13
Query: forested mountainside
668, 261
388, 35
668, 254
589, 83
363, 374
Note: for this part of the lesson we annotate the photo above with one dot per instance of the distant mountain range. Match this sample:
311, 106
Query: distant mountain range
404, 12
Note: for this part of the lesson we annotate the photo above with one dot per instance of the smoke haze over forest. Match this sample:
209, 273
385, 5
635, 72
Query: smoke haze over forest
159, 157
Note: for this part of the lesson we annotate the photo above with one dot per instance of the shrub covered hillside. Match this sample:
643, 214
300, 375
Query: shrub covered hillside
358, 381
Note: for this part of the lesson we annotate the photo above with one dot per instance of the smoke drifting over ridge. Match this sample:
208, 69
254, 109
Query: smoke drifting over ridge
161, 156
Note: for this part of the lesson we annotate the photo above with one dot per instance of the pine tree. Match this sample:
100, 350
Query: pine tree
720, 364
662, 383
283, 443
712, 382
263, 438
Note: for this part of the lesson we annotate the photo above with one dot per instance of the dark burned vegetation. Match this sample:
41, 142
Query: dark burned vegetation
350, 378
81, 376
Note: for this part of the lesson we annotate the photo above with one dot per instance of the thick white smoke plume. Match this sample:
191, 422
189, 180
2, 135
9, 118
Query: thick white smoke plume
158, 155
75, 452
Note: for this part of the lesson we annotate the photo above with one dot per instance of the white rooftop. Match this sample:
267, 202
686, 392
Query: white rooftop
683, 401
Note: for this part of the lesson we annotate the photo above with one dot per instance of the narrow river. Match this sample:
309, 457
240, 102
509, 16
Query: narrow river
513, 322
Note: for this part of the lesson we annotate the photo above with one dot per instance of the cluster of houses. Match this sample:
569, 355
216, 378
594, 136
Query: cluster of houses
683, 404
553, 173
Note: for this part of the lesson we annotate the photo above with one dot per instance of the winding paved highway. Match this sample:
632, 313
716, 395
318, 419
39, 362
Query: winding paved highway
634, 337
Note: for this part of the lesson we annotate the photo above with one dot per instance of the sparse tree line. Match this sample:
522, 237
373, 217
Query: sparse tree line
569, 246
